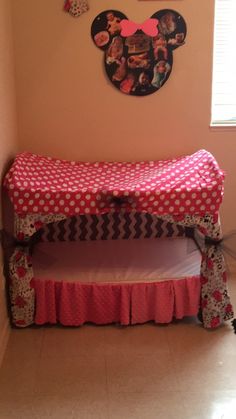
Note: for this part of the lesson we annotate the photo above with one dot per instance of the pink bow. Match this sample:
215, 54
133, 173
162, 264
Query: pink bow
149, 27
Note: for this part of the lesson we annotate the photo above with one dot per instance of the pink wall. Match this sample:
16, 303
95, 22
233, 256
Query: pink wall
7, 131
67, 108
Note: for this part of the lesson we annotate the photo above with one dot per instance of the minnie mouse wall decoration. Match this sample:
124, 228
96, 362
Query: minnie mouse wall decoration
138, 57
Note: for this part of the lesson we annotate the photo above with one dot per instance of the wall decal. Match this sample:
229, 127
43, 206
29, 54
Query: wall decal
76, 7
138, 58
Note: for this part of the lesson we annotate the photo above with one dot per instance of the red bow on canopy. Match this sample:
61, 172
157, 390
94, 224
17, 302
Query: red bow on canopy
149, 27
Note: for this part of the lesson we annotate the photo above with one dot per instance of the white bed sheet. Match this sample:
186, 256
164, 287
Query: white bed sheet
141, 260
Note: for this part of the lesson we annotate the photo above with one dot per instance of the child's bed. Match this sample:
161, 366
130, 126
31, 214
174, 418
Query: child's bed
113, 242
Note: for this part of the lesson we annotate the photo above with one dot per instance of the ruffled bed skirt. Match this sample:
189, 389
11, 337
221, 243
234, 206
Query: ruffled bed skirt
75, 303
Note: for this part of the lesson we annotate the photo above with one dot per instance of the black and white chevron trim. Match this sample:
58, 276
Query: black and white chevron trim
110, 226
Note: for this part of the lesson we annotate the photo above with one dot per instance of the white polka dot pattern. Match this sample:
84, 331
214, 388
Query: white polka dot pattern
191, 184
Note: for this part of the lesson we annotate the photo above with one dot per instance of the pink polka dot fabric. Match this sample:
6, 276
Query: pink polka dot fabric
75, 303
186, 185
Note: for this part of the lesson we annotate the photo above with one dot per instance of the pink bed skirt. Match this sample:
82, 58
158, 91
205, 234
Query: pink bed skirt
74, 303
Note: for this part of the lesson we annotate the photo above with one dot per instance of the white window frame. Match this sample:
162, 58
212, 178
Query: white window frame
223, 106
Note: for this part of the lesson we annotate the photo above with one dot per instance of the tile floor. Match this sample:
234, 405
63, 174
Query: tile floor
179, 371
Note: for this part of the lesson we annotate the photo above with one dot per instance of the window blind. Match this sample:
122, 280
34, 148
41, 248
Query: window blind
224, 64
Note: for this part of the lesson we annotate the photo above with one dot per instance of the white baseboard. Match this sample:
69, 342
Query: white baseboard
4, 336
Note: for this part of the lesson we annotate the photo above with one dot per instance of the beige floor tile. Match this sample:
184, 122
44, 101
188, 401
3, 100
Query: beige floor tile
183, 337
18, 372
159, 405
210, 405
146, 339
24, 343
91, 406
81, 406
18, 375
205, 370
70, 376
36, 408
140, 373
73, 342
15, 407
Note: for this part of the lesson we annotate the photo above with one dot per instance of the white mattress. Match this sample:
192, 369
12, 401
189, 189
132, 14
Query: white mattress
141, 260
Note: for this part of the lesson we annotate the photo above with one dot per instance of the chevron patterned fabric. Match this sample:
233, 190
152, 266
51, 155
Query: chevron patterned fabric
111, 226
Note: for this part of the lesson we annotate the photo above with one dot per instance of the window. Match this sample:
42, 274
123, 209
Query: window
224, 64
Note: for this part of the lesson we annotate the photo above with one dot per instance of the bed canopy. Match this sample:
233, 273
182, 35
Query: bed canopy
186, 191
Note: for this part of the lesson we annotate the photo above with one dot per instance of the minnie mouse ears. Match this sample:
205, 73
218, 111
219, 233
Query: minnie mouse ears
138, 57
172, 26
105, 26
112, 22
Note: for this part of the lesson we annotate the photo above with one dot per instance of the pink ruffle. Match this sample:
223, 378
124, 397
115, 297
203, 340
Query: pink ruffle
74, 303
